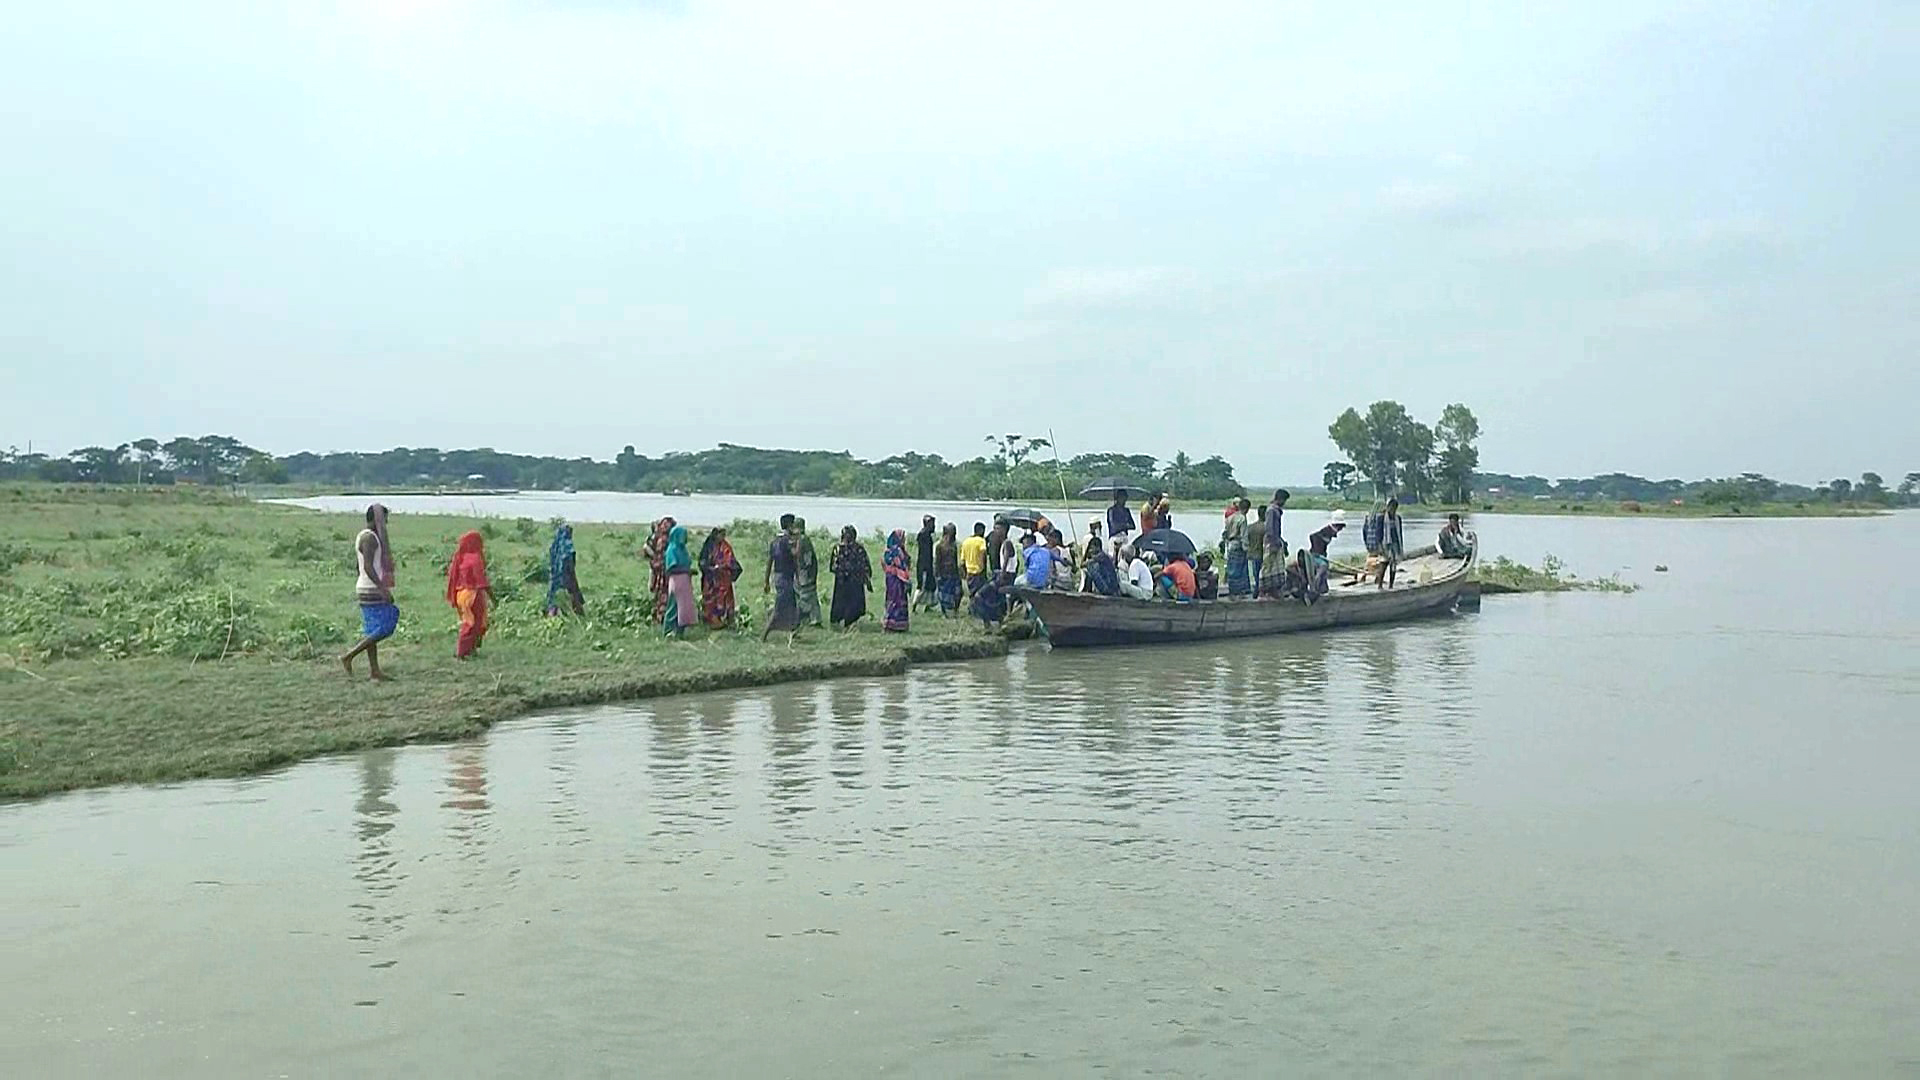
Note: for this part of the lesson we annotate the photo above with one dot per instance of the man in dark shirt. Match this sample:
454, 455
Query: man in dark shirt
923, 564
1119, 519
781, 566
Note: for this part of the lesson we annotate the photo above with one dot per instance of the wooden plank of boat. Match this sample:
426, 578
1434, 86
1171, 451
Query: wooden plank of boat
1074, 620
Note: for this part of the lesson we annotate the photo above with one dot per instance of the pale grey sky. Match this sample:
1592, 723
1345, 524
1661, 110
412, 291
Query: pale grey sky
1665, 238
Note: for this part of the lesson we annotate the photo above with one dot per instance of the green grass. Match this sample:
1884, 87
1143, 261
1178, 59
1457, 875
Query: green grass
162, 635
1503, 575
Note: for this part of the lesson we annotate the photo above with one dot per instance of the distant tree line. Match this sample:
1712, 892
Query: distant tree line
1387, 452
1746, 488
1014, 468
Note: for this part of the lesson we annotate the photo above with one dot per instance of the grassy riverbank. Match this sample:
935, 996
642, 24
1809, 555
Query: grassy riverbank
162, 635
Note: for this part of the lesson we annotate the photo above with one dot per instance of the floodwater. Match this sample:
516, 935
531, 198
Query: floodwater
820, 511
1673, 832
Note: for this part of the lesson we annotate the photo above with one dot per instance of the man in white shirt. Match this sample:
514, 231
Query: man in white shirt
1139, 580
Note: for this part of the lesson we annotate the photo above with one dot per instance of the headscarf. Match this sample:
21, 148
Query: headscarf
468, 570
657, 543
677, 557
378, 523
896, 561
850, 558
558, 553
716, 552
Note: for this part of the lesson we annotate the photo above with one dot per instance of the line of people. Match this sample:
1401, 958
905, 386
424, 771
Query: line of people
982, 574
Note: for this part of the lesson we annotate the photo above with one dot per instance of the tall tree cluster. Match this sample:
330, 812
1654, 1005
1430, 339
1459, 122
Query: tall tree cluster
1401, 456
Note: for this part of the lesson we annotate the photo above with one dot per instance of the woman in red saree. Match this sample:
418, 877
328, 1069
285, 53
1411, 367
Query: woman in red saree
469, 591
718, 571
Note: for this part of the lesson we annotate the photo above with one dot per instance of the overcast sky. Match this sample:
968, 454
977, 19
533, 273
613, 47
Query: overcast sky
1666, 238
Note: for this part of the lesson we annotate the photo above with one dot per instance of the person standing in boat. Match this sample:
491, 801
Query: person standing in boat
1119, 519
1393, 545
1150, 514
1233, 546
1256, 546
1273, 565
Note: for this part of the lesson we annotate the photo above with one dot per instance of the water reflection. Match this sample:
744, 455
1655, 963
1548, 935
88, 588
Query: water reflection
1398, 849
790, 739
375, 867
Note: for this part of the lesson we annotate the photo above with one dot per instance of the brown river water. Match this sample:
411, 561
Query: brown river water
1672, 832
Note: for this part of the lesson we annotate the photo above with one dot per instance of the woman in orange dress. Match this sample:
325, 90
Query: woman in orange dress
469, 591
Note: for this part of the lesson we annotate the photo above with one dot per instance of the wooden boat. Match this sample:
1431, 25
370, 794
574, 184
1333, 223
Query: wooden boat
1079, 619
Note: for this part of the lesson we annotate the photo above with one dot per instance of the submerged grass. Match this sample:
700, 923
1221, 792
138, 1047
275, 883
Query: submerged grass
1504, 575
164, 637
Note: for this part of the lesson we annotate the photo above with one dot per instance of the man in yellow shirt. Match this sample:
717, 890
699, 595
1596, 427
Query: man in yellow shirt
973, 558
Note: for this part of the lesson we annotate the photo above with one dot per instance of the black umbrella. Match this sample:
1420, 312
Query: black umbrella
1109, 486
1165, 543
1026, 518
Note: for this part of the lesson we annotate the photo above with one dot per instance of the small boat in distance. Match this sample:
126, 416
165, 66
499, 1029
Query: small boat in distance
1428, 585
676, 493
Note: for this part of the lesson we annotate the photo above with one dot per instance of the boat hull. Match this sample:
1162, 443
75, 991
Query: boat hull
1076, 620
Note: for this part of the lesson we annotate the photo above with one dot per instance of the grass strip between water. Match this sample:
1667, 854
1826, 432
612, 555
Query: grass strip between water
158, 637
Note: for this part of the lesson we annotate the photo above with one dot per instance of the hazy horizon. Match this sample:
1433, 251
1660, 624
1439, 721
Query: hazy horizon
1668, 239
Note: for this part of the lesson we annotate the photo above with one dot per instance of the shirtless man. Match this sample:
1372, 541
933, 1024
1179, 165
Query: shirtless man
374, 589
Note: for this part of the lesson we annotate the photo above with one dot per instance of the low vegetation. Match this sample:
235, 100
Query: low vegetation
1504, 575
153, 635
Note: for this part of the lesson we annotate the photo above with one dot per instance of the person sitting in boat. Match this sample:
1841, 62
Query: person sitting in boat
1138, 583
1317, 562
1066, 575
1453, 539
1206, 581
1038, 559
1103, 577
1177, 580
